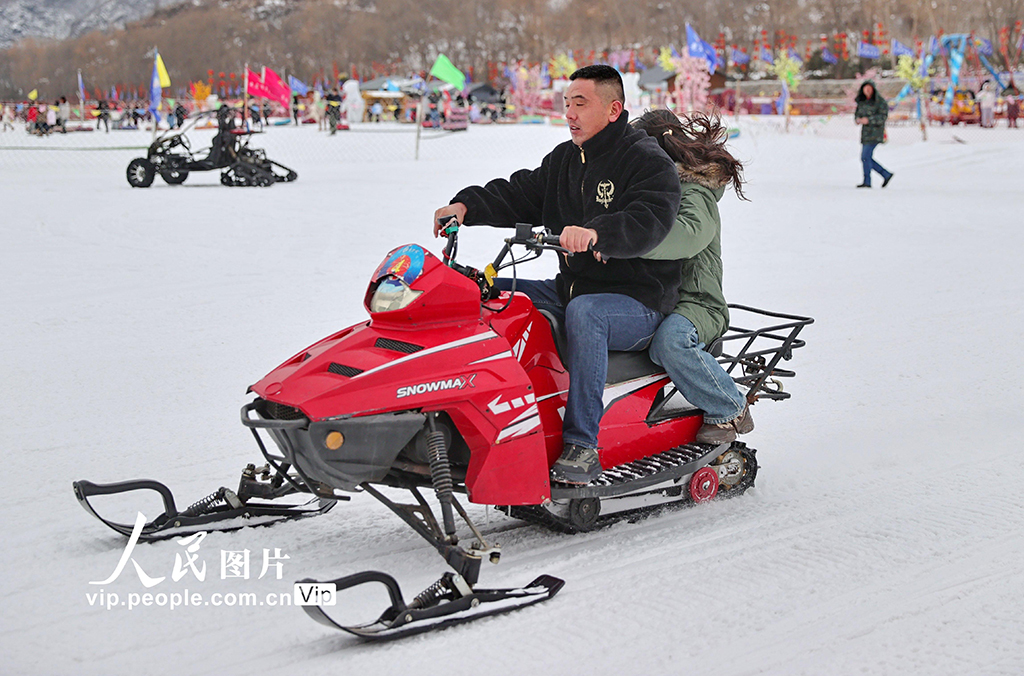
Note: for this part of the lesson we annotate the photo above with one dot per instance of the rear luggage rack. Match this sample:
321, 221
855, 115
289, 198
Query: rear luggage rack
755, 365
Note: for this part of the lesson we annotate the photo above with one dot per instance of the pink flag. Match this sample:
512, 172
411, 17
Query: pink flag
255, 87
277, 88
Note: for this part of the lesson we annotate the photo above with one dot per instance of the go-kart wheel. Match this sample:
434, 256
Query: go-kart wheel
141, 173
225, 178
174, 176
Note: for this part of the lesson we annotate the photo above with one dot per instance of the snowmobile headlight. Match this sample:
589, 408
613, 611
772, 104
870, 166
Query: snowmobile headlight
392, 294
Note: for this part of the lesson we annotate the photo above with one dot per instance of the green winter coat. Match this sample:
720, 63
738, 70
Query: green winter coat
696, 238
876, 110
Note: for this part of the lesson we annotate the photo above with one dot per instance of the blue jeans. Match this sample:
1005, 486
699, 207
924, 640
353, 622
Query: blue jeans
594, 324
700, 379
867, 152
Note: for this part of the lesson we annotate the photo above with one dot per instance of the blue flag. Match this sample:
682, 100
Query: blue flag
900, 49
985, 47
793, 55
81, 88
699, 49
766, 55
739, 57
780, 103
867, 51
828, 57
155, 92
297, 85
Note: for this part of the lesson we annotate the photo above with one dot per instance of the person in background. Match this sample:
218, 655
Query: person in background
51, 116
871, 113
295, 108
334, 101
7, 117
180, 113
1012, 95
63, 114
987, 104
103, 108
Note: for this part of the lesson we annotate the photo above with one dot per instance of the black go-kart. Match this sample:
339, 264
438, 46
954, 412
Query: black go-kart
171, 156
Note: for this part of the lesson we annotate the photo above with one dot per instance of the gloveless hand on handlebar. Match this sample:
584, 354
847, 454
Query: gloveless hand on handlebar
573, 238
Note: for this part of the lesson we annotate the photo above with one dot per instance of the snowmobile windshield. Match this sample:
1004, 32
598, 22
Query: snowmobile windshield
404, 263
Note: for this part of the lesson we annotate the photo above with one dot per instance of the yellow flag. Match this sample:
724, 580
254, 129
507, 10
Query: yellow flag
32, 95
165, 79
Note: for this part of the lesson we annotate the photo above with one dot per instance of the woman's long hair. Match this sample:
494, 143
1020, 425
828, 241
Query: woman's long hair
694, 141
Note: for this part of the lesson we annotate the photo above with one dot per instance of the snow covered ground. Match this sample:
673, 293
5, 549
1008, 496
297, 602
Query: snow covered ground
885, 534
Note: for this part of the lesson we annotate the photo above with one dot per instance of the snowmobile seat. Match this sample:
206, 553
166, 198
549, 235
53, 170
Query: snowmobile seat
622, 366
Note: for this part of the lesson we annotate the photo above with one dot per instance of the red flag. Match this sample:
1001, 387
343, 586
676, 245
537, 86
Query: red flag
255, 87
278, 90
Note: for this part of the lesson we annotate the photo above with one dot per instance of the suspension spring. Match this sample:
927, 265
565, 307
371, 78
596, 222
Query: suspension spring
441, 475
222, 496
441, 590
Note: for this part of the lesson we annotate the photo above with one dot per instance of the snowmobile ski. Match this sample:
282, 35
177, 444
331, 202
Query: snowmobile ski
447, 602
222, 510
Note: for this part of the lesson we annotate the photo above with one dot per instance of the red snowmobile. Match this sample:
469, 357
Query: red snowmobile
454, 386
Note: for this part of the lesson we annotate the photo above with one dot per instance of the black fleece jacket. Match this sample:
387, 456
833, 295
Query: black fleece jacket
619, 183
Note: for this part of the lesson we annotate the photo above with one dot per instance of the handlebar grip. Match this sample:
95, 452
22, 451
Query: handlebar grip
550, 240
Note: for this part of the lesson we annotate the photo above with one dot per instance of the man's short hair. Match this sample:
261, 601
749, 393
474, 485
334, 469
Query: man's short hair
603, 75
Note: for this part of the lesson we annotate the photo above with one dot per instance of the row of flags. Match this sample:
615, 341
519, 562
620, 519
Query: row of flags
701, 49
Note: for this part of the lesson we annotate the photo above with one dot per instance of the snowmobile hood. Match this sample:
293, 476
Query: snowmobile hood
365, 370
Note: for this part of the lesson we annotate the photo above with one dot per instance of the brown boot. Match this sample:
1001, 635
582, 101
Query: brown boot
725, 433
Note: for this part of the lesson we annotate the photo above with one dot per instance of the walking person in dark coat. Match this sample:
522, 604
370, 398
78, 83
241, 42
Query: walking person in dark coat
872, 110
613, 188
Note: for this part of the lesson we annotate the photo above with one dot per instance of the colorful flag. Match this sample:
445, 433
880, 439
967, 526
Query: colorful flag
868, 51
793, 55
984, 46
297, 85
81, 87
766, 55
956, 62
445, 70
828, 57
739, 57
900, 49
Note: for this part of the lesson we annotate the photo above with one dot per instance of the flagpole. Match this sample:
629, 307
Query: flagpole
419, 114
245, 95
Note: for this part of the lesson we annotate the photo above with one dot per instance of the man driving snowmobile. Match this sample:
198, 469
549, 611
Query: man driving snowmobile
613, 189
